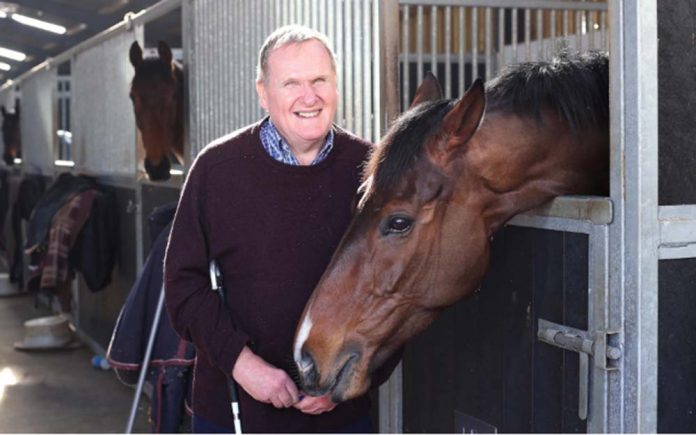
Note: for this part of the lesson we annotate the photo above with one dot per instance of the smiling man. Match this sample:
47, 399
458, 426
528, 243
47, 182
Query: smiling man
269, 203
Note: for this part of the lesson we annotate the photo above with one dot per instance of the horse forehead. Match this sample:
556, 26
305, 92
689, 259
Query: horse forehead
149, 81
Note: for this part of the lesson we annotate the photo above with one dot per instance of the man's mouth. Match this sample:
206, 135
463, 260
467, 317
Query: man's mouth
312, 114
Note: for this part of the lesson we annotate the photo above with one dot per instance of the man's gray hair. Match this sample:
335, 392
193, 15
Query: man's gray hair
292, 34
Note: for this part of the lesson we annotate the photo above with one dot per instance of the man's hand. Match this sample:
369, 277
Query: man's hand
315, 405
264, 382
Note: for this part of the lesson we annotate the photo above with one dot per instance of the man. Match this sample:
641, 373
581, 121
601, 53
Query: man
269, 203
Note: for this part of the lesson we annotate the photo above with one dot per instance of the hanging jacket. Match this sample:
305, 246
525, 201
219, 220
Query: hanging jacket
170, 368
95, 251
61, 191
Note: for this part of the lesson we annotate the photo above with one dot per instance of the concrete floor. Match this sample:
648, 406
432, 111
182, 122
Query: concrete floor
57, 391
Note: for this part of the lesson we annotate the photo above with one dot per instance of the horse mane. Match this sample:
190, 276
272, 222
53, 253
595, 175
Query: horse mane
575, 85
404, 143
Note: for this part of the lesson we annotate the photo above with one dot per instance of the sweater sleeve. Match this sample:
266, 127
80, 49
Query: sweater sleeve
196, 312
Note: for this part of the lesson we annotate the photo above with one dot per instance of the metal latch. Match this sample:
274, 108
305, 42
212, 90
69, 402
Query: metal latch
586, 344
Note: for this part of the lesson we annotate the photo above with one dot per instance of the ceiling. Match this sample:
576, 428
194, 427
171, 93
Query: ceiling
82, 18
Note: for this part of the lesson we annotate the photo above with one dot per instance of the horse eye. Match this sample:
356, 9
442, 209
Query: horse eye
398, 224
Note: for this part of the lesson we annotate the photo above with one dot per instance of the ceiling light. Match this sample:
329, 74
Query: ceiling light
65, 163
3, 14
4, 66
39, 24
12, 54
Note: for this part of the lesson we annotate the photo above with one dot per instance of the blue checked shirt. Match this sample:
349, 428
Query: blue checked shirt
277, 148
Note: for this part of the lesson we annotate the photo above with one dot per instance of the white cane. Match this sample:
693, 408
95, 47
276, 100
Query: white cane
216, 285
145, 362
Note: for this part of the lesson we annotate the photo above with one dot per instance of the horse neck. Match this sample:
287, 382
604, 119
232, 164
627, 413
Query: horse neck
519, 163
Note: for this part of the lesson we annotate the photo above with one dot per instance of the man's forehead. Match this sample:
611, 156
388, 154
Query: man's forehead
288, 60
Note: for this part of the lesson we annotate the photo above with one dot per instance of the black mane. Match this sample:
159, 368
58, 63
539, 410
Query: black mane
575, 85
404, 142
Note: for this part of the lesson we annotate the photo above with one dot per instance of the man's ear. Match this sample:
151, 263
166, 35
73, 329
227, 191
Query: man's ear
261, 92
429, 90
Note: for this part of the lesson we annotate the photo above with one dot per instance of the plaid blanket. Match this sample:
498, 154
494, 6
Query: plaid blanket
65, 227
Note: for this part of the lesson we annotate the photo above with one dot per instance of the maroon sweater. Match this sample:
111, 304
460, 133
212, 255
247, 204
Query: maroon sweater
272, 228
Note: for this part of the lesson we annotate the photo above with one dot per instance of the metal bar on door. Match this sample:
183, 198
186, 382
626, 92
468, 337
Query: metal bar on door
527, 34
514, 35
358, 80
474, 44
405, 58
448, 52
433, 40
462, 49
419, 44
488, 44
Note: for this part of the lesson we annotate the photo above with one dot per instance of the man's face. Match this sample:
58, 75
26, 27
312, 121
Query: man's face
300, 93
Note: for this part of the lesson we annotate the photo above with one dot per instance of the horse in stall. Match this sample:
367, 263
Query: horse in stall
11, 134
157, 93
440, 183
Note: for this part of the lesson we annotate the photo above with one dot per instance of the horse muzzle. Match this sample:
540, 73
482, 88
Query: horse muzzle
158, 172
337, 384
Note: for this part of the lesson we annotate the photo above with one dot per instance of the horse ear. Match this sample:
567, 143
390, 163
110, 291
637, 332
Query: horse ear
462, 121
429, 90
135, 54
165, 53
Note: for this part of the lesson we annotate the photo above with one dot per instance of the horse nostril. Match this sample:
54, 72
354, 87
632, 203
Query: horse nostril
308, 371
306, 363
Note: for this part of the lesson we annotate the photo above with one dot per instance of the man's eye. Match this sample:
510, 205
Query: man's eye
398, 224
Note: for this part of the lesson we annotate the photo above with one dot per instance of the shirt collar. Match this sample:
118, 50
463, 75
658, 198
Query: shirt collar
278, 148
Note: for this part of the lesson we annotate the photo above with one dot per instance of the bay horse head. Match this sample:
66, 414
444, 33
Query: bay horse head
11, 134
445, 177
157, 95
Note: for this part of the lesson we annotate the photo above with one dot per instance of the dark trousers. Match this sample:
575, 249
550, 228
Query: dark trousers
201, 425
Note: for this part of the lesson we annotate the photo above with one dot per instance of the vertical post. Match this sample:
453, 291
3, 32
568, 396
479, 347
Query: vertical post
386, 45
405, 59
634, 232
448, 52
388, 49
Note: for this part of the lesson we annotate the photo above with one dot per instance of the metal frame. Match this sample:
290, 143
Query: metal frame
631, 393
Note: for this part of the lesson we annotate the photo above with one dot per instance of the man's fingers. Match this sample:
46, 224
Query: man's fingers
282, 399
292, 392
315, 405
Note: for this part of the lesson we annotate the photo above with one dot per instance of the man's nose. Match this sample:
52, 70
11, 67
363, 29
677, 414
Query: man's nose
309, 95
